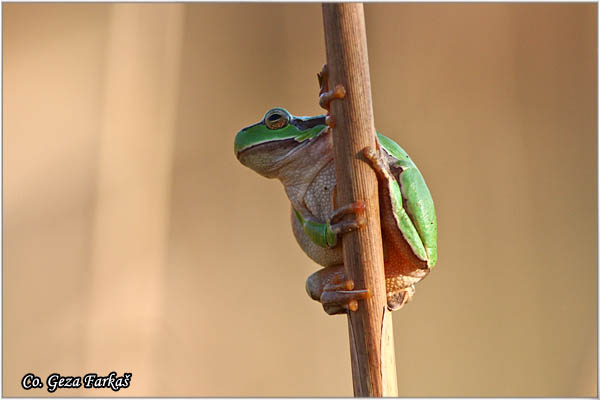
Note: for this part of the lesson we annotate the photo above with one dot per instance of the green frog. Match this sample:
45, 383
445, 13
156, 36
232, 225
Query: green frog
299, 152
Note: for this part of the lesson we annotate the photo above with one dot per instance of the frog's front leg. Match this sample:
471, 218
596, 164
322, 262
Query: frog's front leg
326, 95
330, 287
323, 78
339, 226
325, 234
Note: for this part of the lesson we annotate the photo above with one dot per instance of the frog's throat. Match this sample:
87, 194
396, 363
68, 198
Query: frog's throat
300, 168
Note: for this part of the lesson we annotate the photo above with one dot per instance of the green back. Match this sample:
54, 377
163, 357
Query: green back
419, 204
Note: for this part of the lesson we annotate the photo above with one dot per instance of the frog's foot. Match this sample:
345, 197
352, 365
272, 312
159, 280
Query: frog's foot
339, 92
340, 296
323, 78
326, 95
337, 295
374, 158
396, 300
330, 121
357, 221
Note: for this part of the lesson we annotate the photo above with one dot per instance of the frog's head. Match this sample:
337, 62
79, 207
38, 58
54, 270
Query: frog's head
266, 145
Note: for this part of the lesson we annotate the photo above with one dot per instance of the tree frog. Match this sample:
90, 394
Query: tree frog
299, 152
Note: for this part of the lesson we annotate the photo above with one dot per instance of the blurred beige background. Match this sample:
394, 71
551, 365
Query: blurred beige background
135, 242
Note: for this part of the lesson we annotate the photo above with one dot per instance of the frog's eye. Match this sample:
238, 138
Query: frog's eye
276, 119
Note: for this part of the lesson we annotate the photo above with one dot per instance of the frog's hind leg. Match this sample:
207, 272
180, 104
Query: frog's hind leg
402, 268
330, 287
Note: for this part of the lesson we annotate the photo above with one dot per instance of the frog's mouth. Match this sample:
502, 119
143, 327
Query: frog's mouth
270, 146
267, 158
305, 123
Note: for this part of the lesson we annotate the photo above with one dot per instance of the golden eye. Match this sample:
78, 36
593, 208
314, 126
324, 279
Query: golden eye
276, 119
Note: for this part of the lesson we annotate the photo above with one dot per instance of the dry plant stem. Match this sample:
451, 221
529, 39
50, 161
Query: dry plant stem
371, 338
